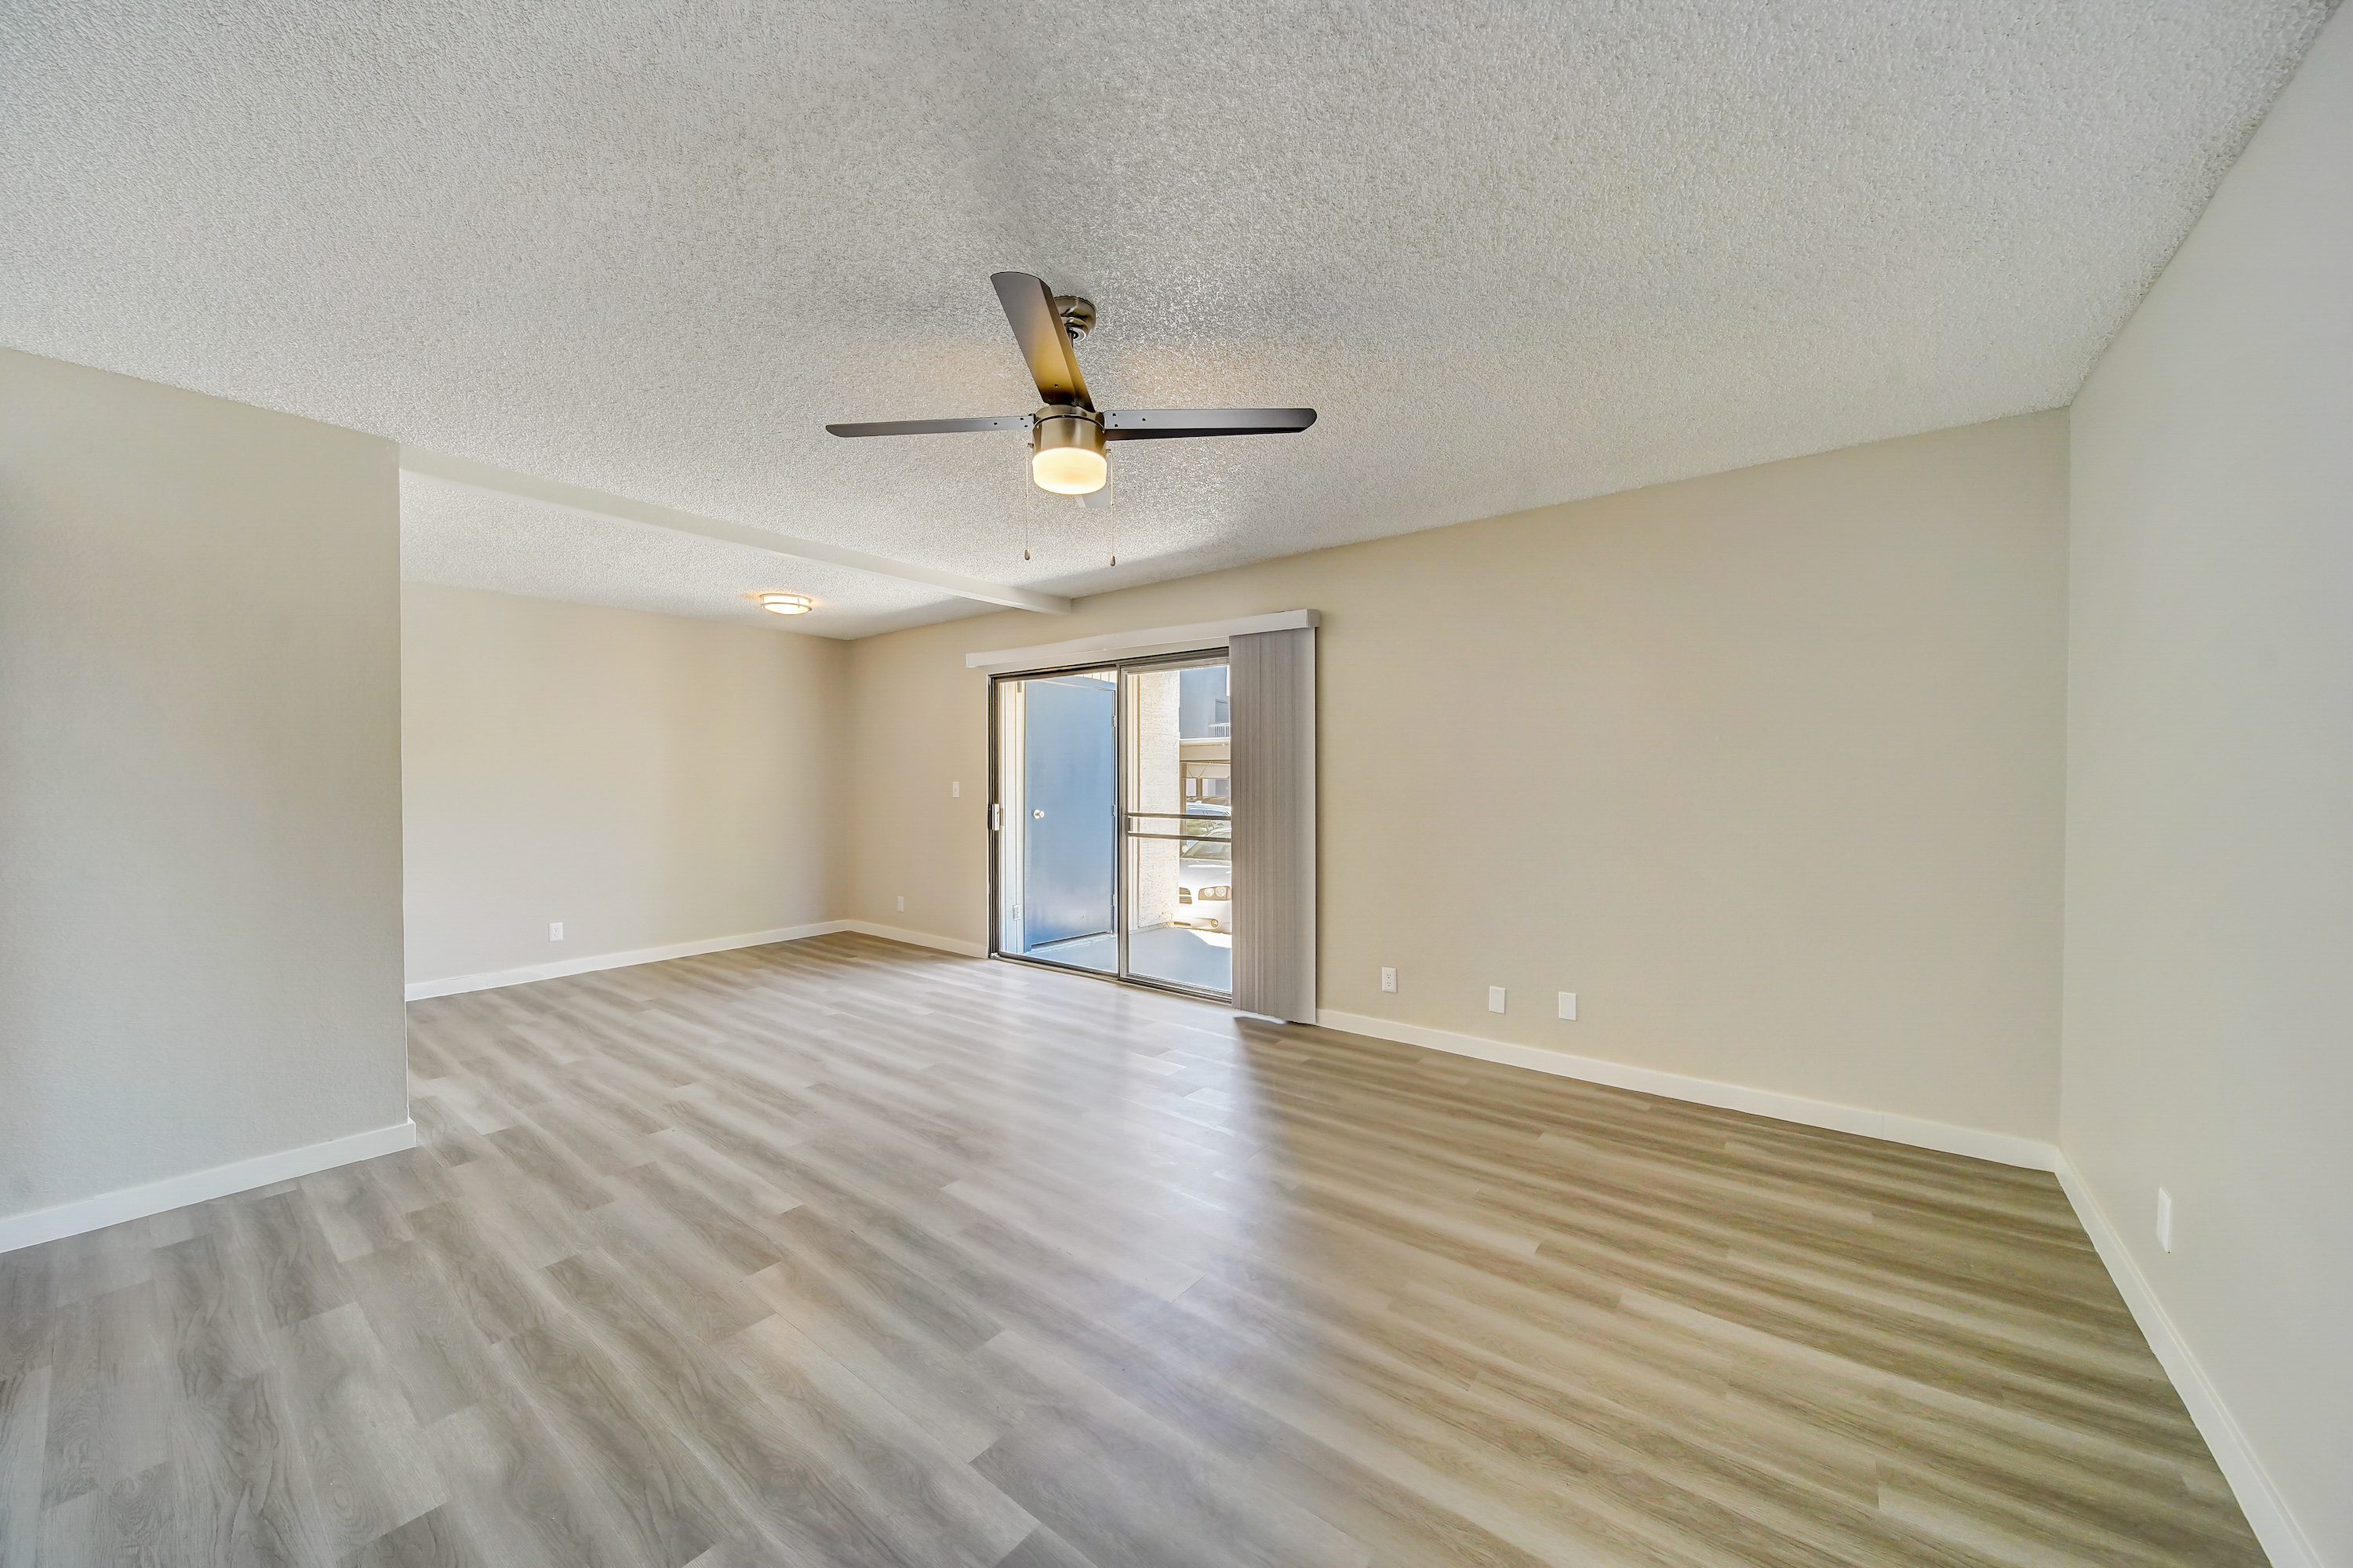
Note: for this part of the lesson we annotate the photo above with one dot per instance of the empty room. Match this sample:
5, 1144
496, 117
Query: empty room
1196, 786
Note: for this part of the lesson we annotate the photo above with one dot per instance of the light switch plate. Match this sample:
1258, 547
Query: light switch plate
1495, 998
1568, 1005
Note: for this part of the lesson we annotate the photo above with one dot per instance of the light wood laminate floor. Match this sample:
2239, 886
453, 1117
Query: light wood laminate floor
839, 1252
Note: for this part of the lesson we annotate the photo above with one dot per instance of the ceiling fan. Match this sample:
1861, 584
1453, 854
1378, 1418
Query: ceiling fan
1067, 435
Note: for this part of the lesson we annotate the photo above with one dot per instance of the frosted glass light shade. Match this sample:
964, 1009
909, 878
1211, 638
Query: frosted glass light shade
1070, 471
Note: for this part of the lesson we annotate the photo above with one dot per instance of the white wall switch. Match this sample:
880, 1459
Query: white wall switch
1388, 979
955, 789
2164, 1219
1568, 1005
555, 930
902, 903
1495, 998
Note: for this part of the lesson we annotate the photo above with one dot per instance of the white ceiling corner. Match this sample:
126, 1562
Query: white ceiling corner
1514, 253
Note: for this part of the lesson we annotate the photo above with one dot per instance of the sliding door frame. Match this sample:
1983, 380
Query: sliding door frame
997, 766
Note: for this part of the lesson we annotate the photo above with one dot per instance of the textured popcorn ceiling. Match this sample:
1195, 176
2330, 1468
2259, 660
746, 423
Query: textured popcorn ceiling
1516, 254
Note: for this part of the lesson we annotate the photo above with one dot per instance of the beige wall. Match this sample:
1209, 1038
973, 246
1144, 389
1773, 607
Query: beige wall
646, 780
199, 784
2209, 930
1765, 767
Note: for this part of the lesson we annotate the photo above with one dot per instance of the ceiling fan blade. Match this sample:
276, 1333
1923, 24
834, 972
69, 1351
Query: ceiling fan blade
1165, 424
935, 427
1030, 306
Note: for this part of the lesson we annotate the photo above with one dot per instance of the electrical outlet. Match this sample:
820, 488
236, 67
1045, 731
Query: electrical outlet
1388, 979
903, 904
1495, 998
555, 930
955, 790
1568, 1005
2164, 1219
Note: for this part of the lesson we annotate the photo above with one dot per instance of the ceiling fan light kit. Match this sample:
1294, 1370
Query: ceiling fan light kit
1068, 433
1066, 452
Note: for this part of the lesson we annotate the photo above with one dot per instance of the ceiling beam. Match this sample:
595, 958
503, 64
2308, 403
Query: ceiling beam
1140, 644
599, 503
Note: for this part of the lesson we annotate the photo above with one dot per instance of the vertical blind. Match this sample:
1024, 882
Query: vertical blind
1273, 685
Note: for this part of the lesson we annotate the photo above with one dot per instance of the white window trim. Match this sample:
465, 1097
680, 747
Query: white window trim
1139, 644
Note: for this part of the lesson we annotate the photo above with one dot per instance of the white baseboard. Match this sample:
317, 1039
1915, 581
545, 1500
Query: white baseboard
919, 939
419, 990
198, 1186
2266, 1512
2002, 1148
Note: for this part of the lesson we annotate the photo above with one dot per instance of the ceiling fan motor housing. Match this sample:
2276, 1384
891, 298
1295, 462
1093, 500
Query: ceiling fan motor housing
1063, 425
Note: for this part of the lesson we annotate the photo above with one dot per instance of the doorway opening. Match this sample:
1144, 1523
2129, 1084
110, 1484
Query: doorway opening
1112, 821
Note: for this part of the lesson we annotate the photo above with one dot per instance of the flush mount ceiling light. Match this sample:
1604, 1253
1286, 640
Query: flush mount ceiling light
1067, 435
780, 603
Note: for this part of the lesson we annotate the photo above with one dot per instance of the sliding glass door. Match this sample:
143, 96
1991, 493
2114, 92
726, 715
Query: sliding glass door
1112, 821
1058, 805
1178, 825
